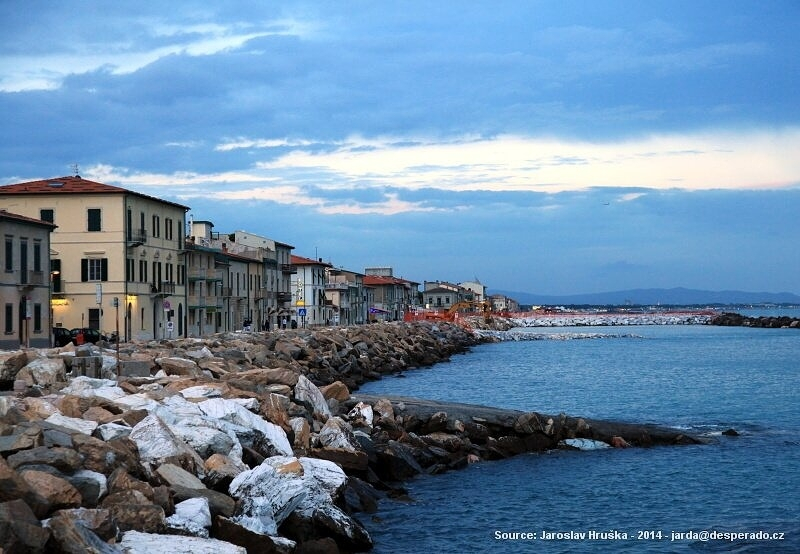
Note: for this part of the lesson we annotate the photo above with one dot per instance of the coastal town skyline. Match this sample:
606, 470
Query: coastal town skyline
555, 149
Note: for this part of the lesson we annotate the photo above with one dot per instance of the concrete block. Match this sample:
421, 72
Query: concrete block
134, 368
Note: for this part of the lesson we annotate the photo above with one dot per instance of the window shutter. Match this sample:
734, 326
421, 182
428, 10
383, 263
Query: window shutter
84, 270
104, 269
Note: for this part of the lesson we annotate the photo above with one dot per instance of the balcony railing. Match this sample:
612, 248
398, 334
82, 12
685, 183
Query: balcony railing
337, 286
284, 297
203, 302
137, 236
31, 278
162, 287
204, 274
288, 268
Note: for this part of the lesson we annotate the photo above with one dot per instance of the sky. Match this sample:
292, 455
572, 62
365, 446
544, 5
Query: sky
546, 147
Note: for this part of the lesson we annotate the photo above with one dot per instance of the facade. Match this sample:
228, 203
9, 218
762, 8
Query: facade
345, 292
25, 282
118, 254
309, 299
275, 303
477, 289
441, 295
392, 297
227, 282
502, 303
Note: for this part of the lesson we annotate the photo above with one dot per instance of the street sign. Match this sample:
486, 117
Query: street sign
301, 312
166, 305
98, 293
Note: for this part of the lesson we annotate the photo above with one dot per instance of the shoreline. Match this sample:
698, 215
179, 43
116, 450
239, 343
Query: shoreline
196, 426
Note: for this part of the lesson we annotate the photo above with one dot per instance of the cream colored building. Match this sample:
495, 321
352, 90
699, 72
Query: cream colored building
111, 245
25, 317
347, 296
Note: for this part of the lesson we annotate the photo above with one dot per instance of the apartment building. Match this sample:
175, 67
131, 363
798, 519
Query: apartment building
115, 255
25, 282
347, 296
392, 296
309, 300
441, 295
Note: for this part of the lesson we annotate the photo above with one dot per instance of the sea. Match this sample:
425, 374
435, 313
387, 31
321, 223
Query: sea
734, 494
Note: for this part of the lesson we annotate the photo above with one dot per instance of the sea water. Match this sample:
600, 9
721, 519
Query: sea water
737, 494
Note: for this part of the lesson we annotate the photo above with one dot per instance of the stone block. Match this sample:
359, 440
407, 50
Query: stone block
88, 366
134, 368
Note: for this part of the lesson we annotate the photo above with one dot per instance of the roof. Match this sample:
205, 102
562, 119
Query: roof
381, 280
73, 185
24, 219
300, 260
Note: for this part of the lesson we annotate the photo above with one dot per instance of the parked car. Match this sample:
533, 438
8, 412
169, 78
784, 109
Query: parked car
89, 335
61, 336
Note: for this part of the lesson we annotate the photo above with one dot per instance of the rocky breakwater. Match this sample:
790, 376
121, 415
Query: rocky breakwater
586, 319
772, 322
235, 443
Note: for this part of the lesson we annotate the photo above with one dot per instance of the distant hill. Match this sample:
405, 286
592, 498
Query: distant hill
648, 297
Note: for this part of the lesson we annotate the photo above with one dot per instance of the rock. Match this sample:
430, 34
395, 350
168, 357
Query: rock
56, 493
395, 462
584, 444
63, 459
191, 517
20, 530
306, 391
98, 521
220, 471
157, 444
179, 366
218, 502
265, 498
43, 372
84, 426
90, 484
228, 411
337, 390
362, 415
11, 363
135, 542
232, 532
175, 475
528, 423
73, 536
619, 442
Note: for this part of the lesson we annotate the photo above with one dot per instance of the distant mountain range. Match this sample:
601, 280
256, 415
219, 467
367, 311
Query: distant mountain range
650, 297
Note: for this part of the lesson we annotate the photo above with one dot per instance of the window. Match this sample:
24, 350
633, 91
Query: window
9, 319
55, 274
93, 221
9, 253
37, 318
47, 215
142, 271
130, 270
37, 255
168, 228
94, 269
23, 261
156, 226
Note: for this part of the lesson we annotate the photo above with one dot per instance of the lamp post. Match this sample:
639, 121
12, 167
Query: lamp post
50, 301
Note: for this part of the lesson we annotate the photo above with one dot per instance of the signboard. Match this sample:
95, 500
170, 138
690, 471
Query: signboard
166, 305
170, 326
301, 312
98, 292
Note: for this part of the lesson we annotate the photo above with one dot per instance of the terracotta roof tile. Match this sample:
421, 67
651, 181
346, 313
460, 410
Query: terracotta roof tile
72, 185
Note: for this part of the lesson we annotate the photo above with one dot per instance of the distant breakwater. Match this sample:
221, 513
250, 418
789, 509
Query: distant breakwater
771, 322
586, 319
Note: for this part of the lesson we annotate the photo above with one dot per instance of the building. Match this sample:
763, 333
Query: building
392, 297
501, 303
477, 289
276, 301
118, 254
441, 295
346, 294
309, 299
25, 282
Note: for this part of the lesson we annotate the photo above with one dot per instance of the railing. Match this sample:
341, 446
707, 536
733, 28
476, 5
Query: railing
33, 278
198, 302
162, 287
139, 236
337, 286
284, 297
288, 268
204, 274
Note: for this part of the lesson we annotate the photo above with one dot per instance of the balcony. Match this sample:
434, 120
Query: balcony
288, 268
31, 278
137, 237
284, 297
207, 303
162, 288
337, 286
204, 274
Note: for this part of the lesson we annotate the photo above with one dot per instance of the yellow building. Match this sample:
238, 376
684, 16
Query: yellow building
116, 255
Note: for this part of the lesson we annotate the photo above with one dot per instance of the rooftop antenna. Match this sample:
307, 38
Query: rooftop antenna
75, 170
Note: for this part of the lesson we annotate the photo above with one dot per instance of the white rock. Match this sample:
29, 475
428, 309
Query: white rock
201, 391
87, 387
585, 444
192, 516
81, 425
306, 391
266, 497
135, 542
232, 412
157, 443
110, 431
363, 411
